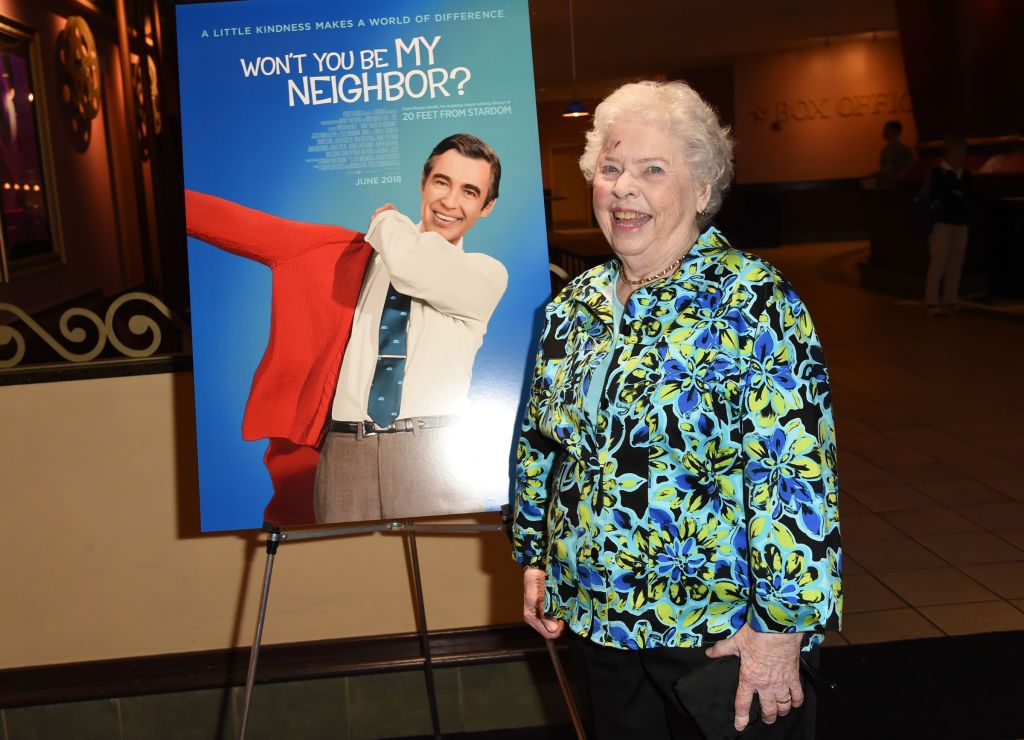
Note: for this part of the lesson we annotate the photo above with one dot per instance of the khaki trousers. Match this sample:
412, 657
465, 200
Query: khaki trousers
391, 476
947, 245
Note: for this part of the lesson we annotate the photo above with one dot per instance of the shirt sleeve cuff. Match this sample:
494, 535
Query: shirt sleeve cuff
373, 236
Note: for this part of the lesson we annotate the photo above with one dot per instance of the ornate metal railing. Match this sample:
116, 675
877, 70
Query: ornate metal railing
124, 332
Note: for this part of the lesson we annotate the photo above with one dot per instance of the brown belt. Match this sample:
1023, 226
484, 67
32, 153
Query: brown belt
370, 428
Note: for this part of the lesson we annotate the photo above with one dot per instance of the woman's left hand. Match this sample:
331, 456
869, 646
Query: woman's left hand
769, 665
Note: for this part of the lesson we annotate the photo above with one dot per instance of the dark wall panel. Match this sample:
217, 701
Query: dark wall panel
963, 60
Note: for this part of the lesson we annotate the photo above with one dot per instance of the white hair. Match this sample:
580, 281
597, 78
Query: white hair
679, 110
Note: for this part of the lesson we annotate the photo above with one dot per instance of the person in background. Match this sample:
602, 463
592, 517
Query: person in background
950, 190
895, 156
676, 494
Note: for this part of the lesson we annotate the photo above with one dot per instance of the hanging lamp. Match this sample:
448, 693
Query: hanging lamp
575, 108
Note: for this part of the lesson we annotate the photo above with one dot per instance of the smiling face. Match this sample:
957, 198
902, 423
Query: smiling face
644, 197
454, 192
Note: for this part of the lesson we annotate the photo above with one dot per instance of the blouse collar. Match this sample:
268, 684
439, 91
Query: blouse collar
593, 291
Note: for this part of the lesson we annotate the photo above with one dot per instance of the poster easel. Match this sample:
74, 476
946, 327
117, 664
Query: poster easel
275, 536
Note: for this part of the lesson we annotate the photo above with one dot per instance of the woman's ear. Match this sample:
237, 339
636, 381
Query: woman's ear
703, 198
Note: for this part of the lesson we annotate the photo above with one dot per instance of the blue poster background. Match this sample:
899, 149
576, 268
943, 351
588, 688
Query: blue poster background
243, 141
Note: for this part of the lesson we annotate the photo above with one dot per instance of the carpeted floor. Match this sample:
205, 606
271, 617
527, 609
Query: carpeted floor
961, 688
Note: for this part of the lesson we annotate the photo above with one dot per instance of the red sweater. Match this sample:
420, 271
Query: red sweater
317, 273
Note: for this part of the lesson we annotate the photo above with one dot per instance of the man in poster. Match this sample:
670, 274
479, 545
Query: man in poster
390, 436
388, 326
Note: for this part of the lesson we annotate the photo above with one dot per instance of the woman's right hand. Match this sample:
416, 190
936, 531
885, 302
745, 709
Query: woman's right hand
533, 605
385, 207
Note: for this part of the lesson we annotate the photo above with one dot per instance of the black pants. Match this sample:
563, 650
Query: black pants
630, 695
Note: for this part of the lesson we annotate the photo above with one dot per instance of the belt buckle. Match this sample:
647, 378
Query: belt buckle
368, 429
398, 425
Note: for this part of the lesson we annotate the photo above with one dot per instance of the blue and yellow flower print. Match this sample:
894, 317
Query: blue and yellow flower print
703, 495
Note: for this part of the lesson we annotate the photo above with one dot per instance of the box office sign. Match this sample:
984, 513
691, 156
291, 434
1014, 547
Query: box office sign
367, 254
822, 108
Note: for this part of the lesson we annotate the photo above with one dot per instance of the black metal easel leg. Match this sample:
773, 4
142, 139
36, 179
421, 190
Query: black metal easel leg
272, 541
428, 666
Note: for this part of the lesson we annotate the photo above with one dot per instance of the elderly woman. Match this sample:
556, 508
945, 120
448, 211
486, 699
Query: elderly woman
676, 469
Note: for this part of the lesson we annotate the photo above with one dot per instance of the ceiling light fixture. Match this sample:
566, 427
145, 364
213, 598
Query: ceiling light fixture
575, 108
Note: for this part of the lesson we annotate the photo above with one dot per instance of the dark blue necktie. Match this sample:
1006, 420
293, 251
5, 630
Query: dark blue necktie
386, 388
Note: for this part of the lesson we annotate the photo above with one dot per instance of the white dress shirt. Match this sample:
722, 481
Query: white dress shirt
453, 296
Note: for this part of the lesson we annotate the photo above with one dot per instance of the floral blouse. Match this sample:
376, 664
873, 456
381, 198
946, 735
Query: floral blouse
703, 495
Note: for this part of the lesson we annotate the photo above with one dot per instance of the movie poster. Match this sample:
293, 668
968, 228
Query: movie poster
367, 254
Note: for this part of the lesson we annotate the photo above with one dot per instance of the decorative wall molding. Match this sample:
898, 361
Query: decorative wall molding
137, 334
139, 325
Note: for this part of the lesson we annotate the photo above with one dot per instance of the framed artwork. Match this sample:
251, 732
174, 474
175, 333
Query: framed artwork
30, 237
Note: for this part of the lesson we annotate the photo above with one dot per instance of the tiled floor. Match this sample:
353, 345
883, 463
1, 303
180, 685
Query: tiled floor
930, 444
